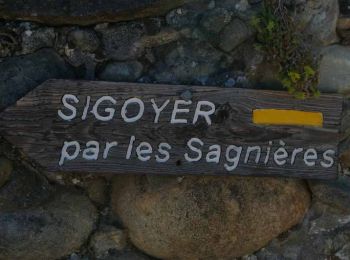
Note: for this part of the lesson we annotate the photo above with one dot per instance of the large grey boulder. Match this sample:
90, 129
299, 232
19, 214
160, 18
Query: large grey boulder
324, 234
121, 41
121, 71
188, 62
83, 12
52, 230
334, 193
318, 20
234, 34
21, 74
334, 69
34, 39
84, 39
23, 189
39, 220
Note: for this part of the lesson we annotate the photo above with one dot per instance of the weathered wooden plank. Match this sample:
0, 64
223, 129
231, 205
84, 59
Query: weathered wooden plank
83, 12
35, 126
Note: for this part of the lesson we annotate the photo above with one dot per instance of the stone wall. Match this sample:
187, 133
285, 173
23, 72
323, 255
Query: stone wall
199, 42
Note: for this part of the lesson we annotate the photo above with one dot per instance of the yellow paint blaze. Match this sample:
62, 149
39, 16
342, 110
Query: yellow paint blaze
287, 117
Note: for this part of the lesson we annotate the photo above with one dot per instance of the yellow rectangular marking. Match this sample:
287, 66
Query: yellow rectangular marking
287, 117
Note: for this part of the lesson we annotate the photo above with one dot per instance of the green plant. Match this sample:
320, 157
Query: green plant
283, 45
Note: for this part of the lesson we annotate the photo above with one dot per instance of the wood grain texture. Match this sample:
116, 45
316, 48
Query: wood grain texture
84, 12
34, 127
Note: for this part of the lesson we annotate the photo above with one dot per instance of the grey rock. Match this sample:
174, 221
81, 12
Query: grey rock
24, 189
95, 187
97, 190
90, 68
6, 168
188, 62
107, 240
183, 17
254, 2
229, 4
333, 193
214, 20
9, 42
186, 95
49, 231
66, 12
122, 41
74, 256
84, 39
131, 256
62, 38
242, 5
230, 83
163, 37
21, 74
224, 78
234, 34
344, 253
322, 234
35, 39
334, 69
318, 19
251, 56
328, 222
121, 71
244, 9
76, 57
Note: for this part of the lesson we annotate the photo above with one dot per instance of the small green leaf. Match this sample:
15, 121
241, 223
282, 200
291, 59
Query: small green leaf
294, 76
299, 95
317, 93
309, 72
286, 83
270, 26
255, 21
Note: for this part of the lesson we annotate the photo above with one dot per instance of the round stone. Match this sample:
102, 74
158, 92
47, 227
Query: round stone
84, 39
108, 240
121, 71
51, 230
234, 34
207, 217
121, 41
35, 39
21, 74
214, 20
188, 61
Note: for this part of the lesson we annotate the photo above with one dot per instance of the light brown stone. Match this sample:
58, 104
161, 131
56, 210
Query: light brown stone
107, 239
207, 217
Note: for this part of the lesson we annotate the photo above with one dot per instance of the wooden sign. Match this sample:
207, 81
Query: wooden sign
123, 128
